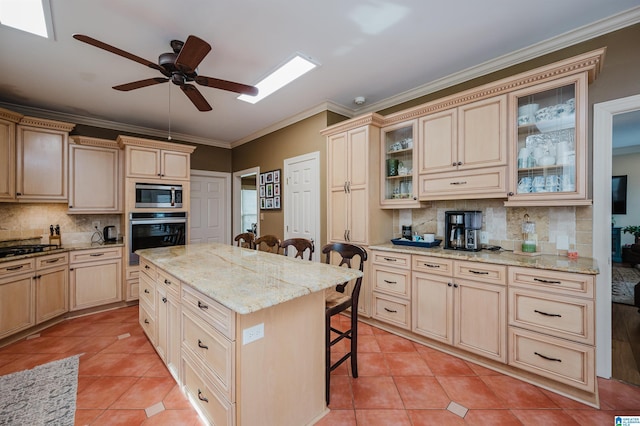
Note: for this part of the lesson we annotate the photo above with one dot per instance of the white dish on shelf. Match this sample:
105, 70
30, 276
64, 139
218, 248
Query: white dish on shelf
559, 123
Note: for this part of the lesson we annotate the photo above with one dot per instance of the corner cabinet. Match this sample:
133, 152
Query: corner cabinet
549, 135
399, 166
95, 182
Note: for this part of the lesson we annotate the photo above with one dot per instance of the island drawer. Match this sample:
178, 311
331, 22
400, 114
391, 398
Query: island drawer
148, 324
391, 310
17, 267
392, 281
559, 282
147, 293
561, 316
558, 359
52, 260
147, 268
433, 265
216, 408
95, 254
169, 281
217, 315
386, 258
477, 271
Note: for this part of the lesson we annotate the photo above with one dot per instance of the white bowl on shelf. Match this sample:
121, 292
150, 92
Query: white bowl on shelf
558, 123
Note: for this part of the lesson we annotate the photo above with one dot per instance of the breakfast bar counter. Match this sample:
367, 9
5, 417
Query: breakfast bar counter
242, 331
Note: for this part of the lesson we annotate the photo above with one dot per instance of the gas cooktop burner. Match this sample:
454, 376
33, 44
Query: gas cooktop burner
25, 249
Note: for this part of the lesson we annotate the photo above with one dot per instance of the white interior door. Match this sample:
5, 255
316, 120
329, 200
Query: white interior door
302, 199
210, 219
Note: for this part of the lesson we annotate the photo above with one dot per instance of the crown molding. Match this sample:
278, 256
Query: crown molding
570, 38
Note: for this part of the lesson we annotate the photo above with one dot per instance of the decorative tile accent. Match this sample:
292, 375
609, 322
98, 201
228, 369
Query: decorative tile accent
457, 409
154, 409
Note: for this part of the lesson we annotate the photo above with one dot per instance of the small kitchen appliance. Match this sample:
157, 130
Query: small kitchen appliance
406, 232
109, 234
463, 230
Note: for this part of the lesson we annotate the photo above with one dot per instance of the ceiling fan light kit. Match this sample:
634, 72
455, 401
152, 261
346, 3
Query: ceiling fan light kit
179, 67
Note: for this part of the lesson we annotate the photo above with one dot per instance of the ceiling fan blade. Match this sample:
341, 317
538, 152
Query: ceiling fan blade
192, 53
141, 83
196, 97
227, 85
120, 52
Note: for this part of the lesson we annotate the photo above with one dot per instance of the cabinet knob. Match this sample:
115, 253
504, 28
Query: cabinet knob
18, 193
164, 300
70, 207
454, 164
449, 285
159, 174
511, 194
459, 163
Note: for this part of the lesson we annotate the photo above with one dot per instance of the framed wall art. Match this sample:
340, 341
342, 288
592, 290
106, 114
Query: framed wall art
270, 196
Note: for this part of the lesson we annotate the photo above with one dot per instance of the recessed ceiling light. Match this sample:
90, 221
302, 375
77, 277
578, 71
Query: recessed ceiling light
294, 68
33, 16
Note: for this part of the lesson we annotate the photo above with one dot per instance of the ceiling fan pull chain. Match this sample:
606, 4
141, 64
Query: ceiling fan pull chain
169, 137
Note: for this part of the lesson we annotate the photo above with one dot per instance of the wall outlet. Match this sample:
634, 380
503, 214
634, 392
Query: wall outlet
484, 237
252, 334
95, 224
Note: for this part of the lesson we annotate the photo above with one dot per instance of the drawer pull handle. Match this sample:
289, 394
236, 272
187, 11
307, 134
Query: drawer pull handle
547, 281
164, 300
391, 282
146, 321
547, 357
390, 259
431, 265
202, 305
478, 272
147, 267
458, 183
391, 310
146, 290
546, 314
167, 282
200, 345
14, 268
202, 398
53, 260
96, 254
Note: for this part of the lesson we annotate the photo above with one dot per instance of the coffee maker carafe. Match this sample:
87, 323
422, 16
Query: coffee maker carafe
462, 230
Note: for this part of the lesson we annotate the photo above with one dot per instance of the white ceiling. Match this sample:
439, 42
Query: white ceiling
385, 50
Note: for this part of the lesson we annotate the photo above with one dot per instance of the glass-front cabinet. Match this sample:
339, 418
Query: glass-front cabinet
398, 186
548, 129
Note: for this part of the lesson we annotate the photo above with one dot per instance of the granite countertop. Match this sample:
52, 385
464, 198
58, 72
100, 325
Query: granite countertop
246, 280
582, 265
64, 248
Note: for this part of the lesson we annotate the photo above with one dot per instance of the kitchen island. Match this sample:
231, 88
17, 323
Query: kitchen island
242, 331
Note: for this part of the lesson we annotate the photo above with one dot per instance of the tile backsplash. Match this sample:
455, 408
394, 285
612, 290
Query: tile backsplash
555, 226
28, 221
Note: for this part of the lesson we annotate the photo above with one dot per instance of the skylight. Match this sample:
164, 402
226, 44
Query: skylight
294, 68
33, 16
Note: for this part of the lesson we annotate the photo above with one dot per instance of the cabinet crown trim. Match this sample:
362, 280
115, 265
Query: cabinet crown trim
84, 140
5, 114
590, 62
47, 124
364, 120
127, 140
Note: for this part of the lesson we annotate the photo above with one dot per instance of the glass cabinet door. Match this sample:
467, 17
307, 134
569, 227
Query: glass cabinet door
549, 155
398, 168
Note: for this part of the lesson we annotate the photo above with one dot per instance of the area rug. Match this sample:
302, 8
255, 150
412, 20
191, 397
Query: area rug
44, 395
623, 280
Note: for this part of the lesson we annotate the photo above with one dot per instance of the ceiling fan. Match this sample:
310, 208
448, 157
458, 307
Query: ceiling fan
179, 67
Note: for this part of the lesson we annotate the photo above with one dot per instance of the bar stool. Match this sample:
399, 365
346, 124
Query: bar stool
245, 240
339, 300
268, 243
301, 245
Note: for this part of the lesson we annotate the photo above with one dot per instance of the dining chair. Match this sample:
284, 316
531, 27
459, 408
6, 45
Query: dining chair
301, 245
268, 243
338, 300
246, 240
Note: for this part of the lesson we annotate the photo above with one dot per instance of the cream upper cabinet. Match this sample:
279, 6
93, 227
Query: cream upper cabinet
156, 160
8, 120
41, 152
399, 166
95, 181
463, 151
549, 143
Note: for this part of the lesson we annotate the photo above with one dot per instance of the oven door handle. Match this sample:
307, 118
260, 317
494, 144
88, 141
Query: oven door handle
157, 221
173, 197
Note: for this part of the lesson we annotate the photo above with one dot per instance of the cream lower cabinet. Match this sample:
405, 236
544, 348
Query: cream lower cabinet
552, 325
17, 295
95, 277
168, 321
391, 288
467, 309
52, 286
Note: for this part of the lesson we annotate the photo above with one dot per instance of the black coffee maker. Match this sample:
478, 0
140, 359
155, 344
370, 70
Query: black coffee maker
462, 229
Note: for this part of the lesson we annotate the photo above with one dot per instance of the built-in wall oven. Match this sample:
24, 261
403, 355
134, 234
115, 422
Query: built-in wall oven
157, 229
154, 195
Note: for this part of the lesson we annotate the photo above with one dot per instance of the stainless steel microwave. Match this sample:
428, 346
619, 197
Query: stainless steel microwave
153, 195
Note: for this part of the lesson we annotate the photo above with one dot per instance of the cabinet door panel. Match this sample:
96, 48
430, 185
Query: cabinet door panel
337, 153
143, 162
432, 303
7, 160
17, 310
93, 179
482, 133
96, 284
52, 294
338, 216
175, 165
358, 216
438, 140
358, 154
42, 164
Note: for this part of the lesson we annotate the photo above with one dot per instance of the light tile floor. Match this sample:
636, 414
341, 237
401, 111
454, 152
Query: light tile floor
122, 381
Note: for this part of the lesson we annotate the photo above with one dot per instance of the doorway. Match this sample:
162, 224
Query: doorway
245, 201
603, 118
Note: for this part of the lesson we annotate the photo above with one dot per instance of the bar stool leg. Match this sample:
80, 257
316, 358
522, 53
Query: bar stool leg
354, 344
327, 345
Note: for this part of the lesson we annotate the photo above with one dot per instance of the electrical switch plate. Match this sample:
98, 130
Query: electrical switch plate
562, 242
252, 334
484, 237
